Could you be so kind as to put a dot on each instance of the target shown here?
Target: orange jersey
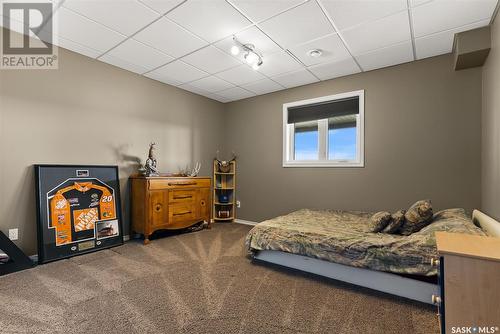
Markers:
(74, 210)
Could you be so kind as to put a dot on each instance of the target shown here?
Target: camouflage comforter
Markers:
(341, 237)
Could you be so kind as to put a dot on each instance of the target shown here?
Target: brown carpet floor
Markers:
(200, 282)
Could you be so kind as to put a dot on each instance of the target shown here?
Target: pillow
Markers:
(379, 221)
(451, 220)
(417, 217)
(397, 220)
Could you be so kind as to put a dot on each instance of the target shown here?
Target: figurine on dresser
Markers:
(151, 166)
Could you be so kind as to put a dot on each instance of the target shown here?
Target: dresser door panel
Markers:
(158, 208)
(204, 203)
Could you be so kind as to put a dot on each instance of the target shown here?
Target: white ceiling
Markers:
(186, 43)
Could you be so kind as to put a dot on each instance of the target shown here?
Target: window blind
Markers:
(330, 109)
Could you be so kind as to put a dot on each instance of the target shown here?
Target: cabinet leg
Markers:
(146, 239)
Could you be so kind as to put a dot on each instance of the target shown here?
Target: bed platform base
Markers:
(376, 280)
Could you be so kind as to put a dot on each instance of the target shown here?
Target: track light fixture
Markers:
(251, 55)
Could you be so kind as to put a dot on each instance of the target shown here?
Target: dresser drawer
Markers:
(182, 212)
(178, 183)
(182, 196)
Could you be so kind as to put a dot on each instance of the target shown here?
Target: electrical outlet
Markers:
(13, 234)
(238, 204)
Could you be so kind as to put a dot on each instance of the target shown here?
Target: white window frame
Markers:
(289, 135)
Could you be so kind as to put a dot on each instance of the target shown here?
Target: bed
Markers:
(337, 244)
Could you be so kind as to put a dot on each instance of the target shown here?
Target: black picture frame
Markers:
(78, 210)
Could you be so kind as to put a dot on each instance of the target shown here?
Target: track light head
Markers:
(235, 50)
(257, 65)
(251, 55)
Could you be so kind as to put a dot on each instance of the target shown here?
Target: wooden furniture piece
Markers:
(169, 203)
(224, 185)
(469, 274)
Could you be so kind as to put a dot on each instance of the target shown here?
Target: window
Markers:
(324, 132)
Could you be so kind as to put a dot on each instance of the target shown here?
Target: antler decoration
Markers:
(195, 170)
(234, 156)
(224, 165)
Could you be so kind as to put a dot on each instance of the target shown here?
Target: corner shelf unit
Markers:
(224, 198)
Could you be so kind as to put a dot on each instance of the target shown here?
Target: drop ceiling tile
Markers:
(261, 10)
(140, 54)
(170, 38)
(278, 63)
(441, 42)
(298, 25)
(211, 60)
(194, 89)
(212, 96)
(335, 69)
(163, 79)
(428, 18)
(81, 30)
(393, 55)
(162, 6)
(123, 64)
(211, 84)
(124, 16)
(211, 20)
(178, 71)
(378, 34)
(235, 93)
(263, 86)
(249, 36)
(415, 3)
(296, 78)
(331, 46)
(216, 97)
(78, 48)
(240, 75)
(349, 13)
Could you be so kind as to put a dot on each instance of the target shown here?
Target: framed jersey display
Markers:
(78, 210)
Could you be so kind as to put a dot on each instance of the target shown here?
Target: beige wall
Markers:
(422, 141)
(422, 137)
(88, 112)
(491, 127)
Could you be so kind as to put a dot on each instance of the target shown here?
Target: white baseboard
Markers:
(126, 237)
(245, 222)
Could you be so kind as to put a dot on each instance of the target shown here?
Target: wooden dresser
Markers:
(169, 203)
(469, 274)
